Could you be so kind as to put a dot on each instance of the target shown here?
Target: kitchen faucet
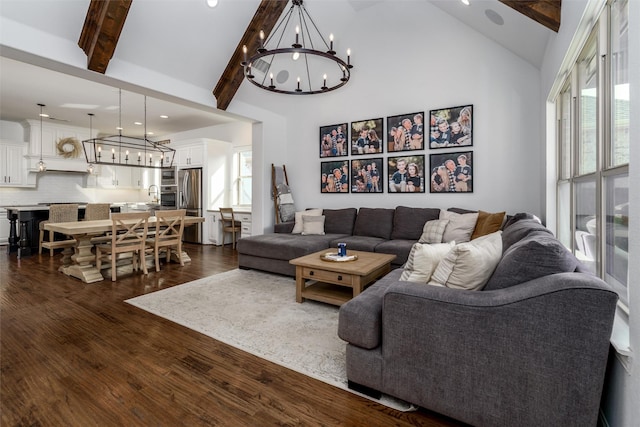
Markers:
(155, 197)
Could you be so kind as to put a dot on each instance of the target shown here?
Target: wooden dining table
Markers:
(80, 263)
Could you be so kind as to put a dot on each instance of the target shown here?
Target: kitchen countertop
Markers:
(240, 211)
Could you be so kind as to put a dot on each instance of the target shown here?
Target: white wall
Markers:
(405, 71)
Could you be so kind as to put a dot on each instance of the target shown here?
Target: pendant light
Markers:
(41, 166)
(90, 166)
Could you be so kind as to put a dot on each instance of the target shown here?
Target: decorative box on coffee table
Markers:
(336, 282)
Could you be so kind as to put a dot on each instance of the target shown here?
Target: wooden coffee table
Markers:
(337, 282)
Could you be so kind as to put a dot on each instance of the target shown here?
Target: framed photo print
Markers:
(451, 172)
(366, 175)
(334, 177)
(405, 132)
(451, 127)
(406, 174)
(366, 137)
(333, 140)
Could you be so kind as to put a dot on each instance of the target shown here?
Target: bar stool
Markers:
(57, 213)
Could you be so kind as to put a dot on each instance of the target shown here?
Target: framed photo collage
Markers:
(354, 161)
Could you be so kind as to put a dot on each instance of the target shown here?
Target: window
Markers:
(243, 177)
(592, 191)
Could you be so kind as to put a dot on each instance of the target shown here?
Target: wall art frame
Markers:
(333, 140)
(366, 137)
(406, 174)
(334, 177)
(367, 175)
(451, 127)
(405, 132)
(451, 172)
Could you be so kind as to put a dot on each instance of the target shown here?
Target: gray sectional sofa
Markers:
(530, 349)
(392, 231)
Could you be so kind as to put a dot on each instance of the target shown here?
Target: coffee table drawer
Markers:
(327, 276)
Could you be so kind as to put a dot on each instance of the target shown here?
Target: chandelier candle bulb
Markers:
(261, 49)
(126, 156)
(113, 154)
(297, 44)
(244, 52)
(349, 58)
(271, 77)
(138, 157)
(298, 89)
(331, 51)
(324, 85)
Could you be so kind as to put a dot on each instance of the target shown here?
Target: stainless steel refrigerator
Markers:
(190, 198)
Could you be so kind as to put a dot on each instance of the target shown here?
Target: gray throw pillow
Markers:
(408, 222)
(534, 256)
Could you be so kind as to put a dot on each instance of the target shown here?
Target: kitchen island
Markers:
(24, 223)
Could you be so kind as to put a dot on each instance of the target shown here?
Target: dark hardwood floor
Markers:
(74, 354)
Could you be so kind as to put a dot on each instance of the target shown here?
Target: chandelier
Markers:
(310, 59)
(122, 150)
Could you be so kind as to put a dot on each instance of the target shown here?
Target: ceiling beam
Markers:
(264, 19)
(545, 12)
(101, 31)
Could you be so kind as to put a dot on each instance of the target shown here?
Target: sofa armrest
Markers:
(284, 227)
(360, 318)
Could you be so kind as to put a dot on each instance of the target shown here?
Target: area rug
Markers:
(256, 312)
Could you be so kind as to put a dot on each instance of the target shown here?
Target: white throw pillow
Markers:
(423, 260)
(312, 224)
(433, 231)
(460, 226)
(470, 265)
(297, 228)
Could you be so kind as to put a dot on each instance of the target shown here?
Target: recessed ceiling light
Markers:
(164, 116)
(149, 133)
(119, 128)
(137, 123)
(212, 3)
(465, 2)
(43, 115)
(81, 106)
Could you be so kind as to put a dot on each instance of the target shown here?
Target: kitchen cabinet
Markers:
(12, 164)
(54, 155)
(189, 156)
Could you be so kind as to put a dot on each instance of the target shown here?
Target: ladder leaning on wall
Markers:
(278, 178)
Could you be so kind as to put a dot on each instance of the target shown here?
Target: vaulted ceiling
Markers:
(198, 46)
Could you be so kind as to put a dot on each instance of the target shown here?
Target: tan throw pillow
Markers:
(423, 260)
(460, 226)
(470, 265)
(433, 231)
(487, 223)
(297, 228)
(312, 224)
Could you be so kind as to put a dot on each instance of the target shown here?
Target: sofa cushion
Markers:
(536, 255)
(423, 260)
(339, 221)
(469, 265)
(519, 216)
(460, 226)
(312, 225)
(521, 229)
(433, 231)
(374, 222)
(297, 228)
(399, 247)
(358, 243)
(283, 246)
(487, 223)
(461, 210)
(408, 222)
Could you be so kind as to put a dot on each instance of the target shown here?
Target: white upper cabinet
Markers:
(12, 164)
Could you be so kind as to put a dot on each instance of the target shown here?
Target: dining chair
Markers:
(128, 235)
(95, 211)
(168, 233)
(229, 224)
(65, 212)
